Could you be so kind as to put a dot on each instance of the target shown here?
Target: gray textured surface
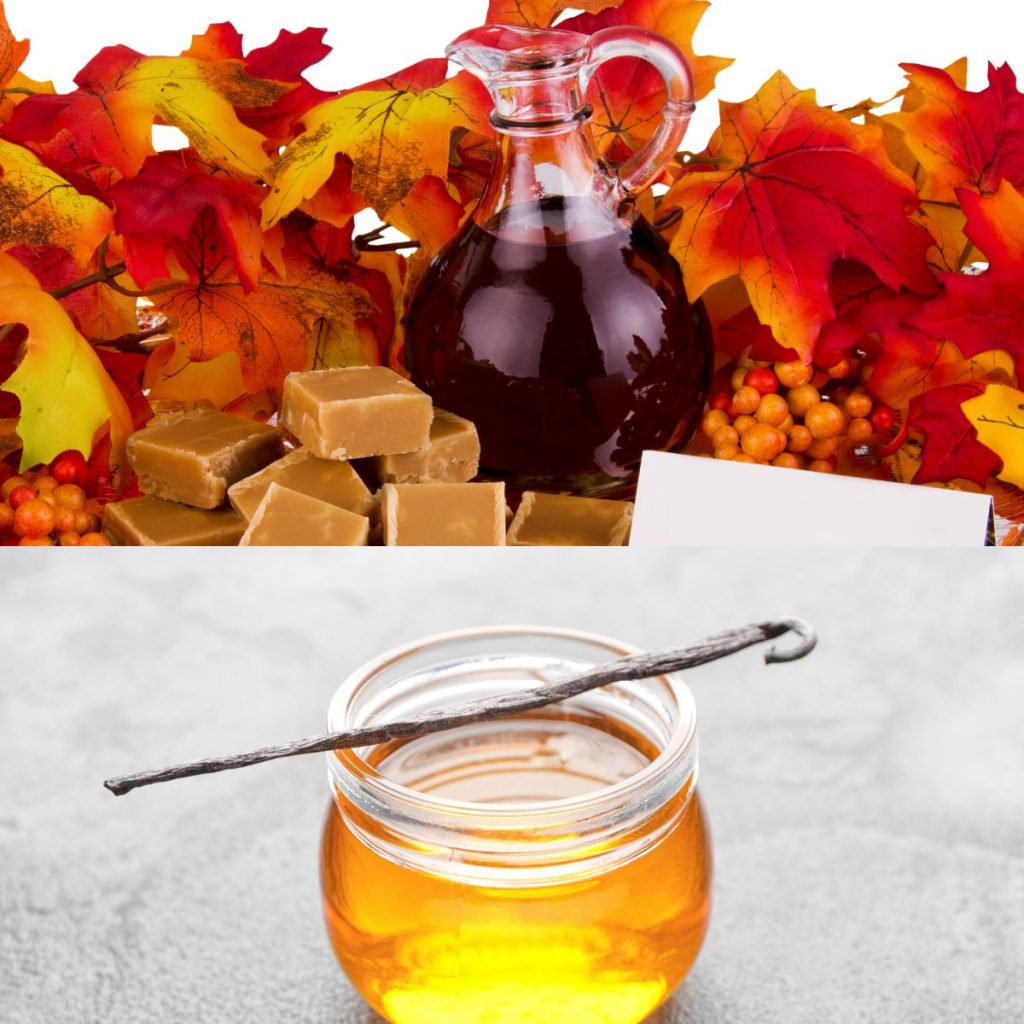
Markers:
(867, 805)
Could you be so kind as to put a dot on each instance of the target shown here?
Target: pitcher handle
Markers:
(645, 166)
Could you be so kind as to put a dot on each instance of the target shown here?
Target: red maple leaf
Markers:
(796, 188)
(952, 450)
(160, 205)
(982, 312)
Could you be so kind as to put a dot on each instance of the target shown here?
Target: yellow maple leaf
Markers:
(66, 395)
(394, 137)
(199, 98)
(122, 94)
(998, 417)
(38, 207)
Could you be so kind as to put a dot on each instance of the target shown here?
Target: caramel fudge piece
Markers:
(559, 520)
(356, 412)
(451, 457)
(153, 521)
(194, 458)
(438, 515)
(287, 518)
(337, 483)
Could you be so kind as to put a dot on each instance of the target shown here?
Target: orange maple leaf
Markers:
(428, 215)
(786, 188)
(12, 51)
(274, 328)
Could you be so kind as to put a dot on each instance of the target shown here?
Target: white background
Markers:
(846, 50)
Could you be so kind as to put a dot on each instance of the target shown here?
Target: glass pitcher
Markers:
(556, 320)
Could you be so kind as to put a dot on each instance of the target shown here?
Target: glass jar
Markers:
(551, 868)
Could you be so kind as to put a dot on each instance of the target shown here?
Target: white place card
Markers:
(686, 501)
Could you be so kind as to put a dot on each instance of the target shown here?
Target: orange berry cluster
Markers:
(45, 507)
(777, 416)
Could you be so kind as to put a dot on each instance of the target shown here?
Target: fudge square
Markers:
(337, 483)
(146, 522)
(562, 520)
(452, 457)
(434, 515)
(287, 518)
(193, 458)
(356, 412)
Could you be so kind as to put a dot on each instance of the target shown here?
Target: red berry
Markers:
(763, 379)
(70, 468)
(20, 495)
(722, 400)
(883, 419)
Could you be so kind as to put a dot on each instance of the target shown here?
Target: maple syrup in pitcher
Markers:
(556, 320)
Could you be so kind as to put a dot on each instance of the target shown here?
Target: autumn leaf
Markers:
(221, 41)
(393, 273)
(470, 164)
(172, 376)
(285, 60)
(272, 329)
(628, 94)
(905, 360)
(13, 271)
(12, 52)
(961, 140)
(39, 207)
(428, 215)
(66, 396)
(161, 204)
(998, 417)
(393, 136)
(122, 93)
(99, 313)
(336, 202)
(790, 188)
(952, 450)
(986, 311)
(539, 13)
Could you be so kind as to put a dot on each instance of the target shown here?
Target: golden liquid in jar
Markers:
(604, 949)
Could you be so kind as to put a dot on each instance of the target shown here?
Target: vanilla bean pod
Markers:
(637, 667)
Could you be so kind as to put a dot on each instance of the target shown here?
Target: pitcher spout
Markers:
(535, 76)
(496, 49)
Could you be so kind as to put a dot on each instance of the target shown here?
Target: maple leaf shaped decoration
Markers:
(785, 189)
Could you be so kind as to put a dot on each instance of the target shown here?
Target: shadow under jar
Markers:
(556, 319)
(552, 868)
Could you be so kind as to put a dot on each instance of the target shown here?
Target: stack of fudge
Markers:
(209, 478)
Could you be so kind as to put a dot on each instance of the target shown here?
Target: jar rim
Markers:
(676, 758)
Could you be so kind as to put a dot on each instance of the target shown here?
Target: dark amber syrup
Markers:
(568, 339)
